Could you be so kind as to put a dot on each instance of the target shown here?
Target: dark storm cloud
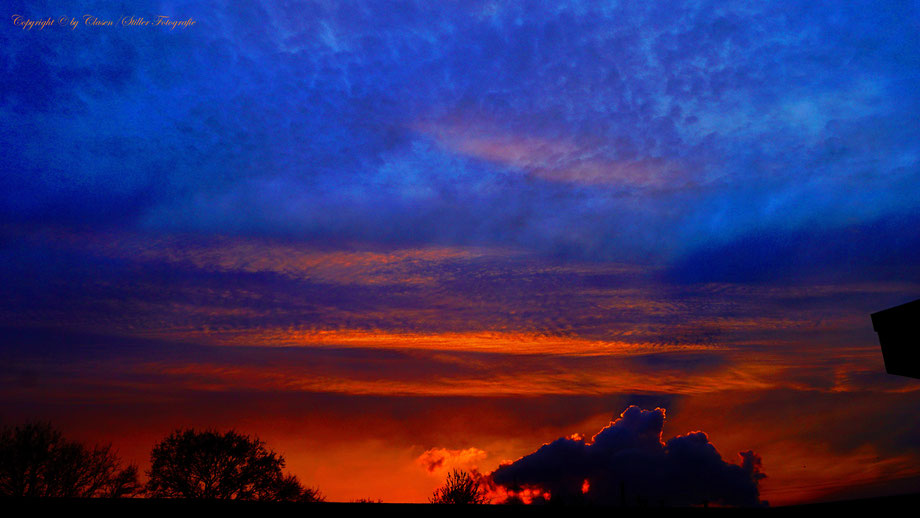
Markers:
(879, 250)
(629, 455)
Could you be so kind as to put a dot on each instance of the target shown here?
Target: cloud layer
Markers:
(571, 129)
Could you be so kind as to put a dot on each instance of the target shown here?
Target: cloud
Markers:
(555, 160)
(627, 460)
(440, 459)
(641, 131)
(878, 250)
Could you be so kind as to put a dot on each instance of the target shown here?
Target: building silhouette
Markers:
(898, 331)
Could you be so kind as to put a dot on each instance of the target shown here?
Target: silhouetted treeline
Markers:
(229, 466)
(36, 461)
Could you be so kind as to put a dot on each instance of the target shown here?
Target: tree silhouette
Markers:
(460, 488)
(36, 461)
(214, 466)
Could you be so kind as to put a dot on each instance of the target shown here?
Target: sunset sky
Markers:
(393, 238)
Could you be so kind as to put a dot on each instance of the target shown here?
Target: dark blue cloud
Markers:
(626, 462)
(879, 250)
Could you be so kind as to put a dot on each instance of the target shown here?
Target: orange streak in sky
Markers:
(483, 342)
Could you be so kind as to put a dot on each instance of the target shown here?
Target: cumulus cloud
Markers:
(627, 461)
(438, 459)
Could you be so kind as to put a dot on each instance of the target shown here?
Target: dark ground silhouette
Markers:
(226, 508)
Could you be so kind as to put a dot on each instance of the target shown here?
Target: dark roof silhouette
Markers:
(898, 331)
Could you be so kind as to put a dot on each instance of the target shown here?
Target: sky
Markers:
(394, 238)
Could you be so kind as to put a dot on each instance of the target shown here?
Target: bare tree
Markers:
(460, 488)
(36, 461)
(221, 466)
